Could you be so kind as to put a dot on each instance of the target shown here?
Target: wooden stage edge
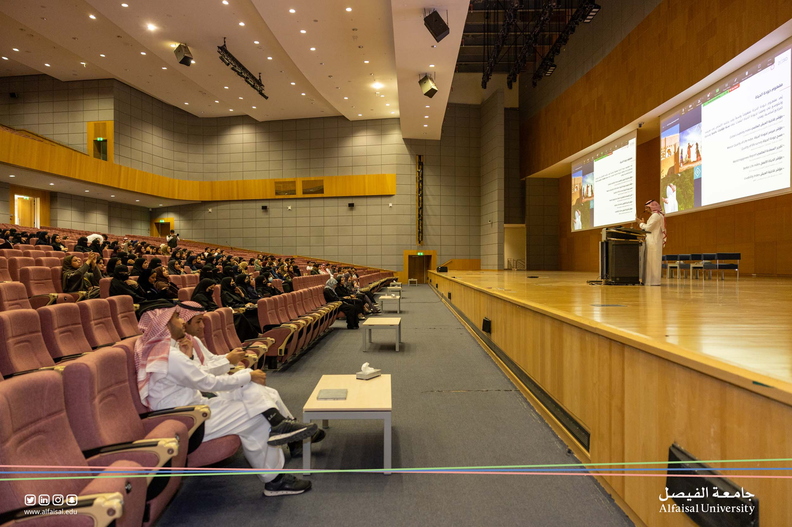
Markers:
(624, 372)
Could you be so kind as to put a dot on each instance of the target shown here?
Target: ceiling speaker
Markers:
(428, 86)
(183, 54)
(436, 26)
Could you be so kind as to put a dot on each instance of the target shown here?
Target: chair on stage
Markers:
(724, 262)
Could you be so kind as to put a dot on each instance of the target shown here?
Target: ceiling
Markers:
(316, 59)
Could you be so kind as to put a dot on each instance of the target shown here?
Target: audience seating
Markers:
(122, 311)
(18, 262)
(10, 253)
(101, 414)
(98, 324)
(104, 287)
(214, 336)
(40, 289)
(48, 261)
(62, 330)
(13, 295)
(34, 254)
(22, 347)
(185, 293)
(4, 275)
(119, 500)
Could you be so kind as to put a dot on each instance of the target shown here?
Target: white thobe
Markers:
(672, 205)
(237, 409)
(653, 249)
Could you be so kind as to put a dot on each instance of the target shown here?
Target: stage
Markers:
(624, 372)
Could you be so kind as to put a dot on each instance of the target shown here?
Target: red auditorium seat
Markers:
(178, 280)
(209, 452)
(122, 310)
(62, 330)
(104, 287)
(10, 253)
(23, 246)
(214, 336)
(13, 295)
(48, 261)
(185, 293)
(56, 254)
(4, 275)
(98, 324)
(101, 413)
(40, 289)
(22, 346)
(115, 498)
(15, 263)
(34, 253)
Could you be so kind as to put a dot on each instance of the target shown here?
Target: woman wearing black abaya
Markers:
(203, 294)
(82, 245)
(121, 284)
(140, 265)
(246, 326)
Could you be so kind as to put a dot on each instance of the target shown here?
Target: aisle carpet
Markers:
(453, 407)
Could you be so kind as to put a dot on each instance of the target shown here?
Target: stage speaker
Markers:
(428, 86)
(264, 207)
(183, 54)
(351, 205)
(436, 26)
(486, 325)
(442, 269)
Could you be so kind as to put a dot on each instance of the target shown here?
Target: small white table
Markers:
(365, 400)
(380, 323)
(390, 298)
(412, 281)
(394, 289)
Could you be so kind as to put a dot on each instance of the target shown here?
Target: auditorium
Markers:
(452, 263)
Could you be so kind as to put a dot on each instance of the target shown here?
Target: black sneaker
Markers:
(286, 485)
(296, 447)
(290, 430)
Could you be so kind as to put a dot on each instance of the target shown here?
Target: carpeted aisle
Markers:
(453, 407)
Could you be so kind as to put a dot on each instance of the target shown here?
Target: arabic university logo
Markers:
(702, 501)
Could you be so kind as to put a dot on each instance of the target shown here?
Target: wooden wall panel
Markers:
(637, 402)
(629, 82)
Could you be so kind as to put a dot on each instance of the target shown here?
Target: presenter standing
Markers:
(655, 241)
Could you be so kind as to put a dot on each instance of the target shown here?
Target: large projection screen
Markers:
(731, 142)
(603, 185)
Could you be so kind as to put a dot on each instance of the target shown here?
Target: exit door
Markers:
(418, 267)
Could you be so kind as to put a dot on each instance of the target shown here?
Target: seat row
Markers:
(694, 262)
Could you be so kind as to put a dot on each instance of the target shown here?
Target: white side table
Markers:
(380, 323)
(390, 298)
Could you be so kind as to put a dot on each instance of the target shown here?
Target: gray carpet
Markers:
(452, 407)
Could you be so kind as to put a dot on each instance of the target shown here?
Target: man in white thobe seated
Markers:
(192, 313)
(169, 374)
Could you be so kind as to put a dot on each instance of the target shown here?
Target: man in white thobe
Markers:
(653, 245)
(170, 373)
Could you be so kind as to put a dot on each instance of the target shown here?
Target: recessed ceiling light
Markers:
(360, 115)
(242, 24)
(47, 65)
(217, 101)
(345, 98)
(92, 17)
(225, 2)
(393, 112)
(84, 63)
(427, 106)
(15, 49)
(292, 11)
(434, 45)
(365, 62)
(102, 55)
(225, 87)
(112, 195)
(186, 103)
(142, 52)
(292, 83)
(253, 107)
(387, 104)
(426, 125)
(192, 62)
(5, 58)
(382, 96)
(240, 98)
(303, 31)
(377, 85)
(164, 67)
(137, 200)
(426, 117)
(348, 9)
(151, 27)
(11, 175)
(269, 58)
(124, 5)
(86, 190)
(255, 41)
(52, 184)
(174, 45)
(302, 94)
(313, 49)
(230, 109)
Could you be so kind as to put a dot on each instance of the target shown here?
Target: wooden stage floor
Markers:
(745, 323)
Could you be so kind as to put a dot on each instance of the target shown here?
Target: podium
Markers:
(620, 256)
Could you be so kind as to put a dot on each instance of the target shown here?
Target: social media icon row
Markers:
(43, 500)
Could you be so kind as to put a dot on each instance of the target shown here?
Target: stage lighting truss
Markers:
(231, 61)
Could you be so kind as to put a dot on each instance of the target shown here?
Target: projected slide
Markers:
(603, 186)
(732, 141)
